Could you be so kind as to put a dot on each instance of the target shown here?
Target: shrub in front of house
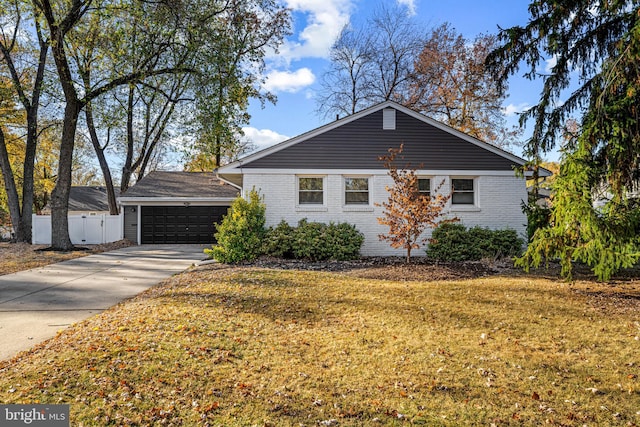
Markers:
(240, 234)
(314, 241)
(308, 241)
(454, 242)
(277, 240)
(342, 241)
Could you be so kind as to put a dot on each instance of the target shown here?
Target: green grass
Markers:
(261, 347)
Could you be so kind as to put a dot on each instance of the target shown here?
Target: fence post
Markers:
(33, 229)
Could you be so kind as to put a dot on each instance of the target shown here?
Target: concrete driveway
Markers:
(36, 304)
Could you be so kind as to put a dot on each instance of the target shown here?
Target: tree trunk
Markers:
(28, 186)
(127, 168)
(60, 195)
(12, 193)
(28, 171)
(102, 160)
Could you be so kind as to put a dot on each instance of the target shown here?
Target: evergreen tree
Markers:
(599, 43)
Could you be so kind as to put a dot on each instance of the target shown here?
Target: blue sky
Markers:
(294, 74)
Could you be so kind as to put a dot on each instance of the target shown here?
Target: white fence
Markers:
(83, 229)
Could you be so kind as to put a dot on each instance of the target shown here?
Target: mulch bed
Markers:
(392, 268)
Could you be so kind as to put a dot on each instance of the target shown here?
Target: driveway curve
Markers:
(35, 304)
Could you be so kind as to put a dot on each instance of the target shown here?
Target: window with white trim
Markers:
(462, 191)
(424, 186)
(356, 191)
(310, 190)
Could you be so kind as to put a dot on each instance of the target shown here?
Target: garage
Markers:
(167, 207)
(180, 224)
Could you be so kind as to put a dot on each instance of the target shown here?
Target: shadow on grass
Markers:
(275, 295)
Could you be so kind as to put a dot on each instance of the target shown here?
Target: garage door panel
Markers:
(180, 224)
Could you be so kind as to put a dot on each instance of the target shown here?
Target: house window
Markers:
(310, 190)
(356, 191)
(424, 186)
(462, 192)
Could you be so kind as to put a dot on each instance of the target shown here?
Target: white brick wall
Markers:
(498, 205)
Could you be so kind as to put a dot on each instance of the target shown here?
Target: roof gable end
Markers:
(357, 142)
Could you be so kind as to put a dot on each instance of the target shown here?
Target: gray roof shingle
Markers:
(181, 184)
(88, 198)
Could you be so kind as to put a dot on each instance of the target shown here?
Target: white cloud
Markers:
(324, 21)
(512, 110)
(287, 81)
(262, 138)
(410, 4)
(551, 62)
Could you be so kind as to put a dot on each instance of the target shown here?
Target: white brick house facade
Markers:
(334, 173)
(493, 207)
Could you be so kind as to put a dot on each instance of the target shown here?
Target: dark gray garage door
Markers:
(180, 224)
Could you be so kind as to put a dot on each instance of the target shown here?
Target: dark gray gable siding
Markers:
(358, 144)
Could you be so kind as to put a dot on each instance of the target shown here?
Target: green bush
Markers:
(343, 241)
(454, 242)
(307, 242)
(314, 241)
(240, 234)
(278, 241)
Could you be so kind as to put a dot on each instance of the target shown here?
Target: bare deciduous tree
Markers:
(372, 63)
(440, 74)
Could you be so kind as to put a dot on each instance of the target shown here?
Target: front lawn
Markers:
(246, 346)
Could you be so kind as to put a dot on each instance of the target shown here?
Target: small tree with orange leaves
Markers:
(407, 212)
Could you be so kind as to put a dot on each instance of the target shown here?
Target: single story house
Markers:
(175, 207)
(333, 173)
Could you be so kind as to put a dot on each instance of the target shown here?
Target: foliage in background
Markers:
(24, 52)
(230, 69)
(127, 66)
(371, 63)
(454, 242)
(450, 83)
(407, 212)
(14, 142)
(436, 72)
(239, 236)
(599, 44)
